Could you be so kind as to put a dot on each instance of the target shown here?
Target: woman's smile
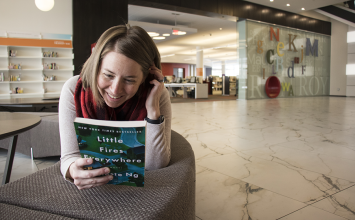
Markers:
(119, 79)
(113, 97)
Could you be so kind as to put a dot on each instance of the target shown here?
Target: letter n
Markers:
(313, 49)
(272, 32)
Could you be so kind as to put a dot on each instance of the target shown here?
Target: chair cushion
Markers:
(169, 193)
(15, 212)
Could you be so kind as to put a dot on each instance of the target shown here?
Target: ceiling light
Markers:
(44, 5)
(220, 29)
(288, 4)
(303, 9)
(159, 38)
(170, 55)
(166, 35)
(271, 0)
(153, 34)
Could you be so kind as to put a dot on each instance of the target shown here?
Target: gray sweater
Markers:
(158, 136)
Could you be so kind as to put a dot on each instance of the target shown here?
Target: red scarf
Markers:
(131, 110)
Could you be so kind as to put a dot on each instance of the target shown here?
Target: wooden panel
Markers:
(190, 4)
(209, 5)
(226, 7)
(347, 15)
(90, 20)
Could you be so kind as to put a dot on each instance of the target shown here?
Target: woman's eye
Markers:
(108, 75)
(130, 81)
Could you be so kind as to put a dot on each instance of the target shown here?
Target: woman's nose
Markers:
(116, 86)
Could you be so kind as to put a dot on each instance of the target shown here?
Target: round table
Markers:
(13, 124)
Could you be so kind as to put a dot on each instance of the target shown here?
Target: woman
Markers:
(120, 81)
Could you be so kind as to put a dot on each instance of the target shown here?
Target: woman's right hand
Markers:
(84, 179)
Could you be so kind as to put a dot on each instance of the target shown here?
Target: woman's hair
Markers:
(133, 42)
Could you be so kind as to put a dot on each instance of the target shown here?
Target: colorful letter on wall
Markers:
(293, 69)
(263, 73)
(291, 91)
(280, 45)
(268, 56)
(297, 60)
(279, 62)
(273, 72)
(303, 69)
(272, 32)
(290, 42)
(260, 44)
(285, 86)
(313, 49)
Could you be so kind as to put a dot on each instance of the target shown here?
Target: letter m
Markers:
(272, 32)
(313, 49)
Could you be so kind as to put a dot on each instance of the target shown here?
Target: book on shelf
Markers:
(118, 145)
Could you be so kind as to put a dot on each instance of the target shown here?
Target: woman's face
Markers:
(119, 79)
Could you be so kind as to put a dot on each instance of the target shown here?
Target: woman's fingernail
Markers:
(107, 170)
(88, 160)
(110, 177)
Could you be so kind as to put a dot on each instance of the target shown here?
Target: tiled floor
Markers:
(264, 159)
(23, 165)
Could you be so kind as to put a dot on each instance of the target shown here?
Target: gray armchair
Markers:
(169, 193)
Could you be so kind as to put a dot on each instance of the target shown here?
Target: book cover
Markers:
(119, 145)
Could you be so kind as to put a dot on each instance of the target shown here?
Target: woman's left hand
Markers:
(152, 103)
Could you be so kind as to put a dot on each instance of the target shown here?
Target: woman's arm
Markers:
(159, 137)
(71, 161)
(69, 144)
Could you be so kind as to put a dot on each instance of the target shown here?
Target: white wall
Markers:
(24, 16)
(339, 58)
(350, 84)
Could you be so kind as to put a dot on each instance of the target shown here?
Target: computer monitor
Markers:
(193, 79)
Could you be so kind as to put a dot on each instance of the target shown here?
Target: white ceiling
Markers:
(208, 34)
(296, 5)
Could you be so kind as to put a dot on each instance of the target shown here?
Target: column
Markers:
(199, 63)
(223, 63)
(96, 16)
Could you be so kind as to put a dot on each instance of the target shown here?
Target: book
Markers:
(118, 145)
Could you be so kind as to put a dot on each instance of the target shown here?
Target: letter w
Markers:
(285, 86)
